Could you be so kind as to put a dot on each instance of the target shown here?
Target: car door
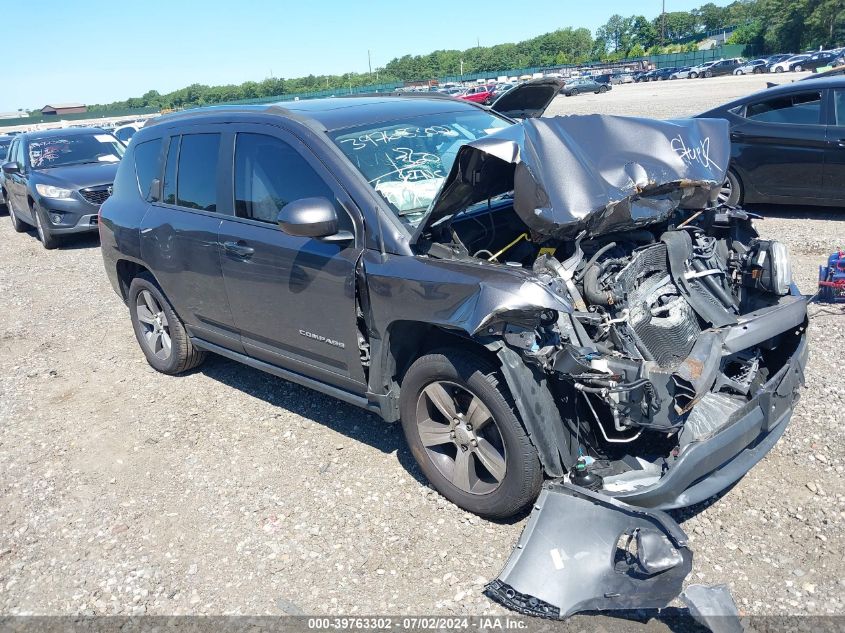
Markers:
(293, 298)
(834, 162)
(180, 229)
(778, 145)
(16, 183)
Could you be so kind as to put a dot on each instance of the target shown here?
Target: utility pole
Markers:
(462, 70)
(663, 25)
(369, 62)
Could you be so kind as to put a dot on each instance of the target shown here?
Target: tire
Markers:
(798, 68)
(758, 71)
(48, 240)
(692, 75)
(158, 327)
(469, 387)
(603, 89)
(573, 92)
(18, 225)
(708, 74)
(738, 72)
(778, 69)
(731, 191)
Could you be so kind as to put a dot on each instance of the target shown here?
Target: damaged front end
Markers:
(670, 364)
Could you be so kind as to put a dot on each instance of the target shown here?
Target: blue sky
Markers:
(96, 51)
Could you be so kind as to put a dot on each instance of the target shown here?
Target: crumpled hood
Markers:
(596, 172)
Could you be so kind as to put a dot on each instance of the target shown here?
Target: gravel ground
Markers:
(228, 491)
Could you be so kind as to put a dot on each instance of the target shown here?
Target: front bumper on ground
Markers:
(708, 466)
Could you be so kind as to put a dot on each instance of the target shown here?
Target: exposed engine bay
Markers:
(654, 344)
(641, 357)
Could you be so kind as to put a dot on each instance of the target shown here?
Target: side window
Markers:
(269, 173)
(13, 148)
(799, 109)
(839, 106)
(196, 186)
(146, 165)
(169, 185)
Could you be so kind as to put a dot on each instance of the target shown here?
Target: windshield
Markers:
(57, 151)
(406, 161)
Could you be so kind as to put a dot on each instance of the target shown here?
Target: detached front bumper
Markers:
(707, 466)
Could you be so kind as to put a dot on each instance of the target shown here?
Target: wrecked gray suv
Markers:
(553, 300)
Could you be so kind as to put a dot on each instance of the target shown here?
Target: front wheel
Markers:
(603, 89)
(798, 68)
(738, 72)
(461, 426)
(48, 240)
(573, 93)
(693, 75)
(778, 69)
(708, 74)
(159, 331)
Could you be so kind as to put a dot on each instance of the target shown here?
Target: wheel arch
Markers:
(127, 270)
(550, 433)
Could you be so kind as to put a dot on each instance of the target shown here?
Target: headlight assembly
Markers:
(49, 191)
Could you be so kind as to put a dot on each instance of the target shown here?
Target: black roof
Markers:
(335, 113)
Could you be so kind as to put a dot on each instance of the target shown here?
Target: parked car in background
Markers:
(662, 74)
(477, 94)
(582, 85)
(755, 66)
(681, 73)
(722, 67)
(56, 180)
(125, 132)
(698, 71)
(775, 59)
(787, 144)
(5, 143)
(814, 61)
(788, 64)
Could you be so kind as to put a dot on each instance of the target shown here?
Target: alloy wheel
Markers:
(154, 324)
(725, 191)
(38, 227)
(461, 437)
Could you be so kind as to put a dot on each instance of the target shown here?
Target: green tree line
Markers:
(764, 26)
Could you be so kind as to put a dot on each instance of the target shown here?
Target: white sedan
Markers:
(786, 64)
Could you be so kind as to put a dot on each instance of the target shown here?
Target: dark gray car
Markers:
(552, 299)
(56, 180)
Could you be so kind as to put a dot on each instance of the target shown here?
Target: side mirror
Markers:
(12, 167)
(154, 194)
(311, 217)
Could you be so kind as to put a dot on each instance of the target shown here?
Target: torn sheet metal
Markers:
(713, 607)
(583, 551)
(596, 172)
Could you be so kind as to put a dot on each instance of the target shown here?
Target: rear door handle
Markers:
(240, 249)
(840, 142)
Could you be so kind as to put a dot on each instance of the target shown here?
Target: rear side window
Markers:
(147, 165)
(839, 104)
(804, 108)
(269, 173)
(196, 186)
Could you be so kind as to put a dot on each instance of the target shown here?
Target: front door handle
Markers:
(840, 142)
(240, 249)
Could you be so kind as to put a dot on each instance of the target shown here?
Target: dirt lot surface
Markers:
(124, 491)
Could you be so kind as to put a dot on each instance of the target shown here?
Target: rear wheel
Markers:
(461, 426)
(159, 331)
(48, 240)
(693, 75)
(708, 73)
(18, 225)
(573, 92)
(758, 71)
(603, 89)
(778, 69)
(798, 68)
